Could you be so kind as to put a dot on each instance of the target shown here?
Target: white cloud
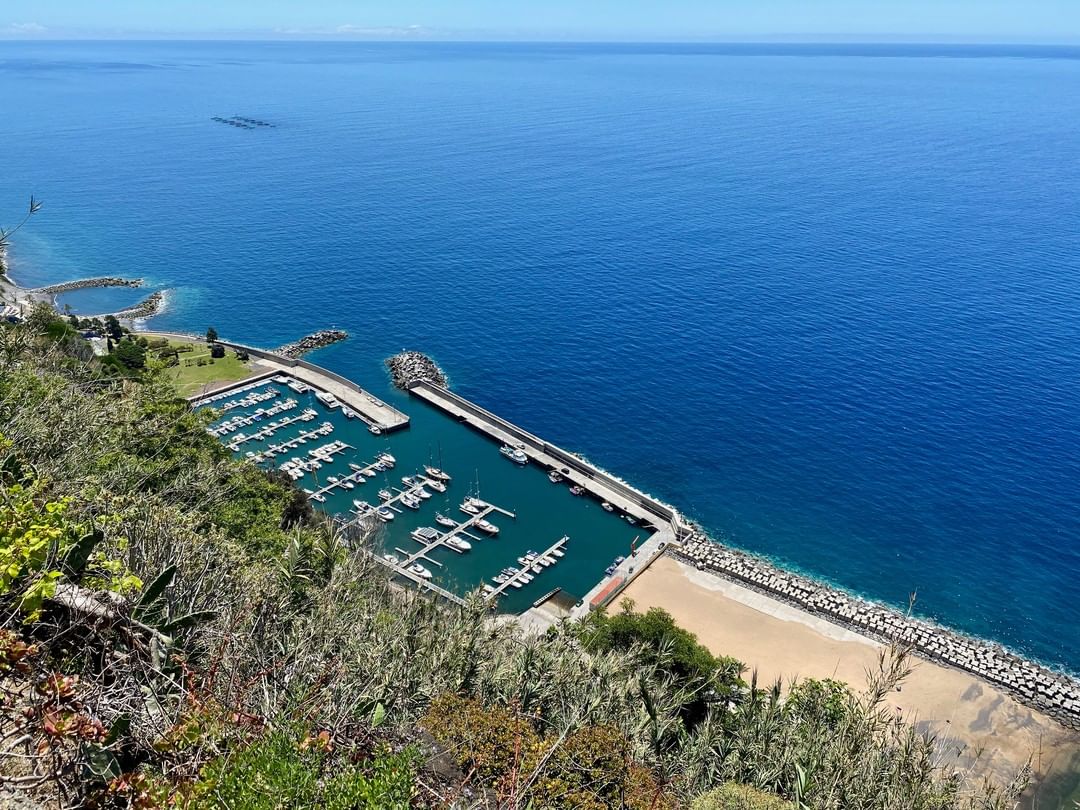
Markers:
(361, 31)
(29, 29)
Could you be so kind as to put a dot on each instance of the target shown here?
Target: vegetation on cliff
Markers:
(180, 630)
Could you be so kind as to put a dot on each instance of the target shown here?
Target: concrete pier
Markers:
(368, 407)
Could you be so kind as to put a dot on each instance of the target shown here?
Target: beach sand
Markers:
(968, 716)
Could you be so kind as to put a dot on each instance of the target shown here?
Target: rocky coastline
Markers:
(85, 283)
(1052, 693)
(408, 367)
(308, 343)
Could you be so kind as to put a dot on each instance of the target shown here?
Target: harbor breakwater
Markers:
(408, 368)
(1052, 693)
(309, 343)
(86, 283)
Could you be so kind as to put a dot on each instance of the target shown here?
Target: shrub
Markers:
(739, 797)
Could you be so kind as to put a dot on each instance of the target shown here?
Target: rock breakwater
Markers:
(1053, 693)
(309, 343)
(84, 283)
(409, 367)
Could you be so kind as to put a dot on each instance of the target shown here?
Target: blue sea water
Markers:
(824, 299)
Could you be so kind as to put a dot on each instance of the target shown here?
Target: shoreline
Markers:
(980, 728)
(1055, 693)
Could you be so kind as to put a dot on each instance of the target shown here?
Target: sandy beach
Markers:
(974, 722)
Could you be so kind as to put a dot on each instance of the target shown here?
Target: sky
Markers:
(1028, 21)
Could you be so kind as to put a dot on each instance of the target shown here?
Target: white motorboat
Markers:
(459, 544)
(410, 501)
(386, 458)
(390, 558)
(355, 467)
(607, 507)
(468, 508)
(386, 494)
(385, 513)
(487, 527)
(327, 399)
(438, 486)
(375, 430)
(514, 454)
(421, 493)
(348, 412)
(443, 520)
(363, 507)
(419, 570)
(369, 473)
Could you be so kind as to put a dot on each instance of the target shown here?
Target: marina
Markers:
(447, 528)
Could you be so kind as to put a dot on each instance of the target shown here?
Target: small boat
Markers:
(380, 467)
(485, 526)
(577, 490)
(319, 498)
(385, 494)
(349, 484)
(630, 519)
(327, 399)
(333, 479)
(390, 558)
(488, 590)
(377, 431)
(385, 513)
(386, 458)
(407, 480)
(308, 492)
(363, 507)
(369, 473)
(436, 473)
(607, 507)
(410, 501)
(620, 560)
(348, 412)
(500, 579)
(355, 467)
(419, 570)
(514, 454)
(281, 379)
(609, 570)
(422, 493)
(443, 520)
(438, 486)
(558, 553)
(554, 477)
(468, 508)
(458, 543)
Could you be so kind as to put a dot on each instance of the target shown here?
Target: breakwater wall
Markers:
(1053, 693)
(407, 368)
(309, 343)
(84, 283)
(659, 511)
(147, 308)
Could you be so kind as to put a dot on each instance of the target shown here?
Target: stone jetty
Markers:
(1053, 693)
(309, 343)
(408, 367)
(84, 283)
(147, 308)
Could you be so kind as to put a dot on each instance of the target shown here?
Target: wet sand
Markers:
(968, 716)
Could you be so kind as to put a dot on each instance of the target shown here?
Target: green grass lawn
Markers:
(189, 379)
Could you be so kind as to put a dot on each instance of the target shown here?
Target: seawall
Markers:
(1052, 693)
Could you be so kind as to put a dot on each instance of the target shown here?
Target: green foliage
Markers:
(33, 538)
(739, 797)
(280, 771)
(657, 641)
(130, 354)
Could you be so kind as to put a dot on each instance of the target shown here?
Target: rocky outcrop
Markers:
(309, 343)
(1053, 693)
(409, 367)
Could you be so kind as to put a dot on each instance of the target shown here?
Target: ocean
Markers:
(825, 300)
